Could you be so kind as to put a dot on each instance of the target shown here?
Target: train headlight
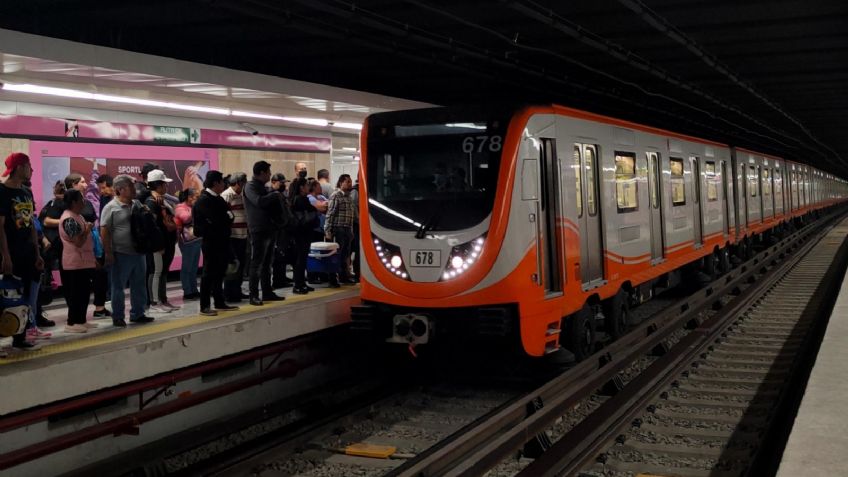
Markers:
(390, 257)
(457, 262)
(462, 257)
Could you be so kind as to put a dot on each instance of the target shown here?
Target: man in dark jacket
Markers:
(212, 220)
(264, 209)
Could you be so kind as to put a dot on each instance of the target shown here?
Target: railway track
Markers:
(689, 391)
(715, 417)
(666, 367)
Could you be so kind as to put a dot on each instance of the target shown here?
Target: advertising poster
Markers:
(53, 161)
(185, 174)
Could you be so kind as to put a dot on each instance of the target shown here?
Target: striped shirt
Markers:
(340, 212)
(236, 202)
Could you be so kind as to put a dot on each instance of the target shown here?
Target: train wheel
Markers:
(724, 260)
(581, 333)
(712, 263)
(617, 314)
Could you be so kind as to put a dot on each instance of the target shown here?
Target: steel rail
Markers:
(577, 448)
(481, 446)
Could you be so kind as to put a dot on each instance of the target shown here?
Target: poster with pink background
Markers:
(52, 161)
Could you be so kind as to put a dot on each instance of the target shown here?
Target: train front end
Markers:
(436, 260)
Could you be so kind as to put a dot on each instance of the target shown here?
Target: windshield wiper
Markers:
(429, 224)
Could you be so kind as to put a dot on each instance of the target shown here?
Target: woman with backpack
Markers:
(164, 213)
(305, 221)
(78, 262)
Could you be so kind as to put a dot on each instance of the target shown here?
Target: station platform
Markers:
(818, 443)
(70, 365)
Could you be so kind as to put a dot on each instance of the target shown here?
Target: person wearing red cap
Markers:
(18, 237)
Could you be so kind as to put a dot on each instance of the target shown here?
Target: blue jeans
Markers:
(188, 270)
(129, 268)
(344, 237)
(32, 300)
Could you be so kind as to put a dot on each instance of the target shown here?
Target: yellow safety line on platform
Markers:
(116, 335)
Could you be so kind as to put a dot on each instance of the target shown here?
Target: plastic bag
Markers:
(98, 243)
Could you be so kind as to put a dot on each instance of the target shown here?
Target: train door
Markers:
(591, 235)
(793, 197)
(772, 192)
(697, 209)
(743, 195)
(725, 206)
(655, 191)
(758, 176)
(548, 235)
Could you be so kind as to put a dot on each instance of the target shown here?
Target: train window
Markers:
(712, 181)
(654, 178)
(591, 191)
(626, 190)
(766, 182)
(678, 188)
(578, 185)
(753, 182)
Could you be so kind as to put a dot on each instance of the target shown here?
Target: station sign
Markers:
(176, 134)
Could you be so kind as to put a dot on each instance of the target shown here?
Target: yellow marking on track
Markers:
(117, 335)
(649, 475)
(363, 449)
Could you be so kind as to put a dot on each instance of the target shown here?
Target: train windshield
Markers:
(437, 176)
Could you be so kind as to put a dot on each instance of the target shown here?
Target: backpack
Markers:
(286, 218)
(304, 220)
(199, 221)
(146, 235)
(14, 308)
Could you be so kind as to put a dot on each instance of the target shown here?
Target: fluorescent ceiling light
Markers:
(159, 104)
(77, 94)
(348, 149)
(356, 126)
(248, 114)
(63, 92)
(310, 121)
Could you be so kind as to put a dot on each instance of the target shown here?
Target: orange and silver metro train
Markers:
(539, 224)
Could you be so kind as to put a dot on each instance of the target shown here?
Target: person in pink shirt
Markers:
(189, 244)
(78, 262)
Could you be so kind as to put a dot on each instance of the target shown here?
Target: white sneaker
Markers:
(89, 324)
(75, 329)
(170, 306)
(160, 309)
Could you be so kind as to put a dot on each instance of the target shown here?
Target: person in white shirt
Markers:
(238, 237)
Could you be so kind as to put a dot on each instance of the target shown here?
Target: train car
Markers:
(539, 223)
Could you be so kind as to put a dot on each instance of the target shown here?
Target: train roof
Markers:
(459, 113)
